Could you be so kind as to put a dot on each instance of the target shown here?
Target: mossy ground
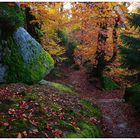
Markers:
(132, 95)
(57, 86)
(40, 111)
(109, 84)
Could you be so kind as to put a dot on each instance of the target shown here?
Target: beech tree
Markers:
(96, 28)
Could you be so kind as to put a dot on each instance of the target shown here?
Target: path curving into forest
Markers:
(119, 119)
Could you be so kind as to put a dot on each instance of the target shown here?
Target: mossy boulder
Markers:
(57, 86)
(109, 84)
(36, 60)
(22, 58)
(25, 60)
(132, 95)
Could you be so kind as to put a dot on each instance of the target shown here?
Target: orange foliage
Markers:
(87, 19)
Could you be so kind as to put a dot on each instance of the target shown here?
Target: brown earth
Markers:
(119, 119)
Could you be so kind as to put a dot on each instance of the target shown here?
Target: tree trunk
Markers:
(100, 54)
(31, 28)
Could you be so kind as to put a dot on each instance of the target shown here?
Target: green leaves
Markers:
(134, 20)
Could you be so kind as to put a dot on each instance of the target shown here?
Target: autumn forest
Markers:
(69, 69)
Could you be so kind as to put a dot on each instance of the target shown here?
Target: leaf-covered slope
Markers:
(40, 111)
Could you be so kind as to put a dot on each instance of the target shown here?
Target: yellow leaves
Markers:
(53, 48)
(85, 52)
(110, 4)
(123, 7)
(51, 11)
(48, 15)
(84, 19)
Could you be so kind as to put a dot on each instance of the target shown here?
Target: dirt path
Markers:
(119, 119)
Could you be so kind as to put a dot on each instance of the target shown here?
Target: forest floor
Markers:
(119, 119)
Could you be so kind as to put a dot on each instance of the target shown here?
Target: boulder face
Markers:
(22, 59)
(34, 56)
(30, 48)
(27, 61)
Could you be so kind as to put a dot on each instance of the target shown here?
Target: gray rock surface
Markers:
(30, 48)
(36, 62)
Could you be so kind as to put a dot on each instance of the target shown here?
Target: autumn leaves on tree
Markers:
(95, 27)
(99, 23)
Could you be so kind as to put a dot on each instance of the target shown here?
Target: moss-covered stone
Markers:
(22, 57)
(57, 86)
(132, 95)
(25, 64)
(109, 84)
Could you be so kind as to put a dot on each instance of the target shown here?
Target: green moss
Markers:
(61, 87)
(65, 124)
(132, 95)
(32, 96)
(109, 84)
(134, 89)
(18, 71)
(57, 86)
(13, 12)
(87, 130)
(55, 106)
(91, 110)
(36, 72)
(19, 125)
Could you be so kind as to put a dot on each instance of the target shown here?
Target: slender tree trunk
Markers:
(100, 54)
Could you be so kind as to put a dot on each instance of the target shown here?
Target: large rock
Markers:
(27, 61)
(22, 59)
(33, 54)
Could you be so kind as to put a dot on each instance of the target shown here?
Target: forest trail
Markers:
(119, 119)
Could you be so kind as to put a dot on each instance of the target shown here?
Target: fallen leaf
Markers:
(93, 120)
(5, 124)
(57, 133)
(19, 135)
(34, 131)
